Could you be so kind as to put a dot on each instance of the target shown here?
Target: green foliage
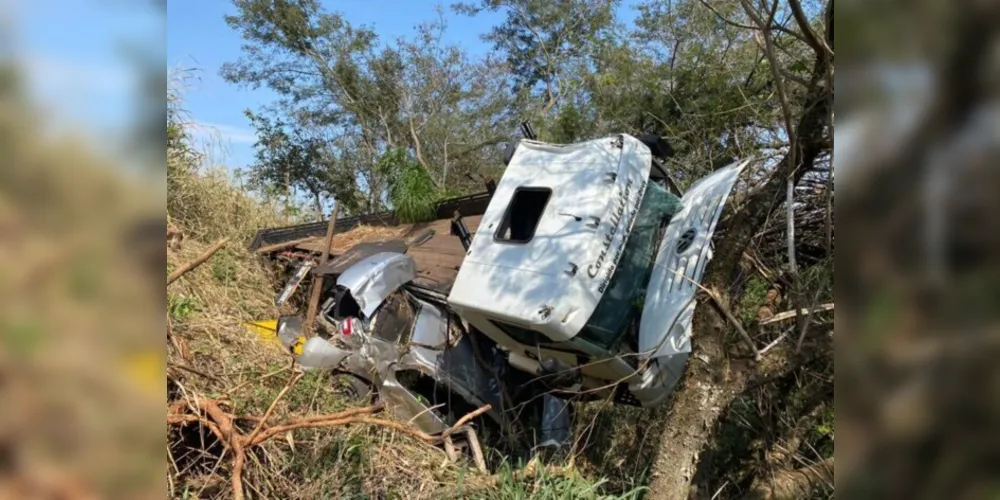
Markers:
(412, 193)
(545, 43)
(569, 125)
(754, 296)
(224, 267)
(347, 99)
(288, 158)
(181, 308)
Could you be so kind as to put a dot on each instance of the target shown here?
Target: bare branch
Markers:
(818, 44)
(185, 268)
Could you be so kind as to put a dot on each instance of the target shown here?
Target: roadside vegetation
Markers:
(400, 124)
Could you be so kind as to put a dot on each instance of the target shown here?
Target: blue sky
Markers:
(198, 37)
(75, 55)
(79, 58)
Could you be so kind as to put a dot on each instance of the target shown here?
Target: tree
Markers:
(708, 389)
(295, 161)
(365, 99)
(546, 41)
(719, 80)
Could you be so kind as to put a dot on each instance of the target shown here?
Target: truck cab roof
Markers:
(552, 235)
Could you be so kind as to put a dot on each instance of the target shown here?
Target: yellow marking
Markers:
(266, 329)
(146, 370)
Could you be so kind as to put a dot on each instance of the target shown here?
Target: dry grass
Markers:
(213, 355)
(366, 234)
(344, 241)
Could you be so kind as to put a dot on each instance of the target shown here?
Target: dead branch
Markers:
(477, 450)
(221, 425)
(818, 44)
(194, 371)
(183, 269)
(270, 409)
(791, 314)
(464, 420)
(732, 319)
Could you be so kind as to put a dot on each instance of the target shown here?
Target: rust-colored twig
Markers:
(184, 268)
(220, 423)
(270, 409)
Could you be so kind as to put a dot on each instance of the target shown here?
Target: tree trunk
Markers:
(706, 390)
(288, 195)
(318, 206)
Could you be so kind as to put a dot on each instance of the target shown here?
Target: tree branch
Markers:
(818, 44)
(185, 268)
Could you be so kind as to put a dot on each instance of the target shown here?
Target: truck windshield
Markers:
(622, 300)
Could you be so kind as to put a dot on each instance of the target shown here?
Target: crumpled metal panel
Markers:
(321, 354)
(375, 277)
(430, 328)
(357, 253)
(668, 308)
(408, 407)
(293, 284)
(660, 380)
(289, 329)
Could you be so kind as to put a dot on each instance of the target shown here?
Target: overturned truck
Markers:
(572, 278)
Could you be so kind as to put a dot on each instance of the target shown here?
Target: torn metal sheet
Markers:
(358, 252)
(290, 329)
(375, 277)
(293, 284)
(321, 354)
(430, 329)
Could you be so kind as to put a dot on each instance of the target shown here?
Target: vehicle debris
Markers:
(574, 281)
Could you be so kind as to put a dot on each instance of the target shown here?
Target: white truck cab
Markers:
(585, 264)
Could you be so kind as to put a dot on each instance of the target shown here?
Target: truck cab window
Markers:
(523, 214)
